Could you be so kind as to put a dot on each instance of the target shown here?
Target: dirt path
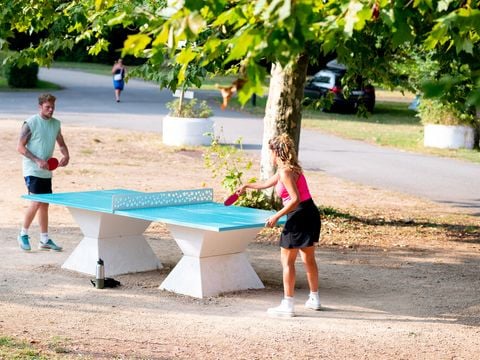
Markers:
(392, 287)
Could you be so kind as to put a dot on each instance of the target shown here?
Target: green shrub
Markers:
(229, 162)
(436, 112)
(189, 109)
(3, 55)
(21, 77)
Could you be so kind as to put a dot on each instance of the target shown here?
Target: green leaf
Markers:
(437, 35)
(77, 27)
(185, 56)
(117, 19)
(135, 44)
(330, 42)
(232, 17)
(162, 38)
(99, 46)
(435, 89)
(418, 3)
(242, 44)
(103, 4)
(194, 4)
(402, 33)
(465, 45)
(256, 77)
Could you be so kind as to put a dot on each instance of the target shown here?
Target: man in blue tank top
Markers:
(36, 143)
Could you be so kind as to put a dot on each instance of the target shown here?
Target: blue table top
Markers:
(206, 215)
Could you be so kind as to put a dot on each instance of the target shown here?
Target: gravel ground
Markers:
(397, 288)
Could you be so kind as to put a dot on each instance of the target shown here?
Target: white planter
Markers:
(186, 131)
(448, 136)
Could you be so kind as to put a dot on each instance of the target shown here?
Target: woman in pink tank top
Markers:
(302, 229)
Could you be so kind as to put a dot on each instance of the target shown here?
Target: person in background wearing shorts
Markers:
(36, 143)
(118, 71)
(302, 229)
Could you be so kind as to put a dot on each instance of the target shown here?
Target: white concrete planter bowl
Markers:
(186, 131)
(448, 136)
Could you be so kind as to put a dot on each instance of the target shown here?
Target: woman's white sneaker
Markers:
(286, 309)
(313, 303)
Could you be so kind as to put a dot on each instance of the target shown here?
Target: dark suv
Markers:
(329, 81)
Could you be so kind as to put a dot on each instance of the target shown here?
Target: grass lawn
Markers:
(41, 86)
(391, 125)
(98, 69)
(14, 349)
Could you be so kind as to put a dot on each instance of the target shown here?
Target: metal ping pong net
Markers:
(160, 199)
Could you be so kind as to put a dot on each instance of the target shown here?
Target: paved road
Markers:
(88, 99)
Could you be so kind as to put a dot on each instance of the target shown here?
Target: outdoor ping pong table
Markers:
(212, 237)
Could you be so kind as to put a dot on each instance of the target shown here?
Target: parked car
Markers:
(329, 81)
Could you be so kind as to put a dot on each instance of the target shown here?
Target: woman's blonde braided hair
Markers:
(284, 148)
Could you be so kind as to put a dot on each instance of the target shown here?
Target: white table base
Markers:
(117, 240)
(212, 262)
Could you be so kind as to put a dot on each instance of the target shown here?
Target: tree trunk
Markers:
(283, 111)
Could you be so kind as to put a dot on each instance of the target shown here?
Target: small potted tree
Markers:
(446, 126)
(188, 120)
(188, 123)
(445, 109)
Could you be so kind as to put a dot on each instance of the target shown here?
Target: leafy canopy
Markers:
(240, 36)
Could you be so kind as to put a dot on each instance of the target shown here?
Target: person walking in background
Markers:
(37, 143)
(302, 229)
(118, 71)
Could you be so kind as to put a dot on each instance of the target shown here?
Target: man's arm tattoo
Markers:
(25, 134)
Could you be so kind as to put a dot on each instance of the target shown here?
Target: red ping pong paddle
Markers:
(231, 199)
(52, 163)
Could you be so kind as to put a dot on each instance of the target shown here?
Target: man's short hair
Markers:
(46, 98)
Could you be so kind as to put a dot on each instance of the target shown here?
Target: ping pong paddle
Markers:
(52, 163)
(231, 199)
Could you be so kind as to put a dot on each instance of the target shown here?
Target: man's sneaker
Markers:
(286, 309)
(49, 245)
(313, 303)
(24, 242)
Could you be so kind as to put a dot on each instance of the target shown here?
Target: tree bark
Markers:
(283, 111)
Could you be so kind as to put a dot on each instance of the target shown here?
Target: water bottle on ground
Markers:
(100, 275)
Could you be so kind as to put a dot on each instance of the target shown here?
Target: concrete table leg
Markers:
(212, 262)
(117, 240)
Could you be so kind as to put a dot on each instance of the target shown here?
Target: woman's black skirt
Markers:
(302, 228)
